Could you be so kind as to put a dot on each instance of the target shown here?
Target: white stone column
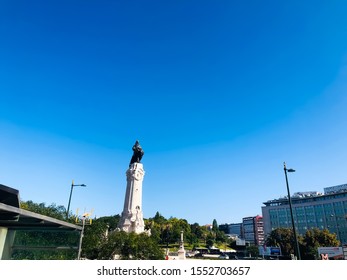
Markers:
(181, 252)
(132, 215)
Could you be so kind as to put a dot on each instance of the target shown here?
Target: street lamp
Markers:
(291, 211)
(68, 206)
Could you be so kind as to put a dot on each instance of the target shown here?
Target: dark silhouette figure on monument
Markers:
(138, 153)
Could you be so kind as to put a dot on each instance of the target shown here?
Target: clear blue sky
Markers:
(219, 93)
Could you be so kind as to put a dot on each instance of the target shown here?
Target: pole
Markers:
(291, 214)
(81, 238)
(68, 206)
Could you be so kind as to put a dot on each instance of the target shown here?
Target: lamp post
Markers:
(84, 217)
(68, 206)
(291, 211)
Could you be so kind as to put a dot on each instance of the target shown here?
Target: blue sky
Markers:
(219, 93)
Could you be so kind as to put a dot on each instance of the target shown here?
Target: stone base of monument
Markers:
(181, 254)
(132, 217)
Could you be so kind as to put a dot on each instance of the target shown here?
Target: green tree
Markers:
(283, 238)
(158, 226)
(210, 239)
(159, 219)
(198, 233)
(155, 229)
(315, 238)
(178, 225)
(221, 237)
(308, 243)
(130, 246)
(34, 244)
(96, 234)
(147, 248)
(52, 210)
(197, 230)
(253, 251)
(215, 226)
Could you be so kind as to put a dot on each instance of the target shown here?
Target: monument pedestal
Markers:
(132, 216)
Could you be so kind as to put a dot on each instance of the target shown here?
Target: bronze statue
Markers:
(138, 153)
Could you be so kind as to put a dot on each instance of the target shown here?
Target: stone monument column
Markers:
(132, 215)
(181, 252)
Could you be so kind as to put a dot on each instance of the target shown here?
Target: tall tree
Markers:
(214, 225)
(158, 218)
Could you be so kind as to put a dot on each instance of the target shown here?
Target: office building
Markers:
(236, 229)
(253, 230)
(310, 210)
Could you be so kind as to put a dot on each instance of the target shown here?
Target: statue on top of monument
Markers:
(138, 153)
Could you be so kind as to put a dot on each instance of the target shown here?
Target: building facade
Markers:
(236, 229)
(310, 210)
(224, 228)
(253, 230)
